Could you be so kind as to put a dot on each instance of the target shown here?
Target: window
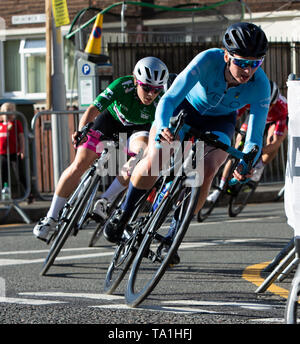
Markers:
(33, 59)
(25, 68)
(12, 66)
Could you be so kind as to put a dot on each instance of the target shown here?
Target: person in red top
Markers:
(12, 145)
(276, 130)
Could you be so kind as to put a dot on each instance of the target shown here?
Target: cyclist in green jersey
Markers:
(128, 106)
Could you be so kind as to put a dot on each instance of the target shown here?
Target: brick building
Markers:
(22, 32)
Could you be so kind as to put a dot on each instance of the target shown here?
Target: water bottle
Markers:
(161, 195)
(5, 193)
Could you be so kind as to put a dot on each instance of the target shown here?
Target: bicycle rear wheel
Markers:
(72, 215)
(240, 197)
(292, 309)
(149, 264)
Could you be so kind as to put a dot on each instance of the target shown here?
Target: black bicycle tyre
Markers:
(111, 283)
(113, 280)
(133, 299)
(292, 308)
(67, 227)
(235, 208)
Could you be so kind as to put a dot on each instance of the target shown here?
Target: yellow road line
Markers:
(12, 225)
(252, 274)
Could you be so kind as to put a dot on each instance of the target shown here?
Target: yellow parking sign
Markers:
(60, 12)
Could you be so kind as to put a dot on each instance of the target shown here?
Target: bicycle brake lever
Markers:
(83, 133)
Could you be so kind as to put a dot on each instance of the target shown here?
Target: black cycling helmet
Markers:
(274, 92)
(245, 39)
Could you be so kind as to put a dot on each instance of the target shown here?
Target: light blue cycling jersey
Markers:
(203, 84)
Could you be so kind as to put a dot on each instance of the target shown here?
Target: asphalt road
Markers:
(215, 283)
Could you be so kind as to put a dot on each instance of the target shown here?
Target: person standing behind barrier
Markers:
(12, 145)
(127, 105)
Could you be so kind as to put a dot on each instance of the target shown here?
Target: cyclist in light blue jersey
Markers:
(210, 89)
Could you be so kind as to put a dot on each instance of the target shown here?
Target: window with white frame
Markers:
(33, 63)
(25, 67)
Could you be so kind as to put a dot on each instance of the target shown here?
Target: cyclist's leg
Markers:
(70, 178)
(143, 179)
(212, 163)
(137, 149)
(136, 143)
(229, 163)
(224, 127)
(86, 154)
(213, 196)
(68, 182)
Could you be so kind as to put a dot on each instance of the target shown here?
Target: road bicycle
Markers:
(283, 265)
(134, 231)
(238, 194)
(149, 258)
(292, 308)
(77, 211)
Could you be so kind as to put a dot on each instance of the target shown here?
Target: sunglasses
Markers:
(243, 63)
(148, 88)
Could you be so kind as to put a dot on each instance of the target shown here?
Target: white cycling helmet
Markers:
(151, 71)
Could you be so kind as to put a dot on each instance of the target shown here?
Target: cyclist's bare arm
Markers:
(89, 116)
(274, 143)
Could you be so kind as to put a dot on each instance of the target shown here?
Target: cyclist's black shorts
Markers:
(111, 128)
(225, 123)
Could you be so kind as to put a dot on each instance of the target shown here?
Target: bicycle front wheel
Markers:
(122, 259)
(150, 263)
(292, 309)
(68, 223)
(127, 248)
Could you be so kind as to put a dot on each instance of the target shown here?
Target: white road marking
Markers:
(182, 310)
(269, 320)
(246, 305)
(184, 245)
(174, 306)
(40, 260)
(80, 295)
(250, 219)
(27, 301)
(47, 250)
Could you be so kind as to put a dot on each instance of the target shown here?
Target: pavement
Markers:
(38, 208)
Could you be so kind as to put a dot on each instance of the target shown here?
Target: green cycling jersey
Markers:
(121, 100)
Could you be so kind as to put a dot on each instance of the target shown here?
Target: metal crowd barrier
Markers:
(14, 171)
(45, 161)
